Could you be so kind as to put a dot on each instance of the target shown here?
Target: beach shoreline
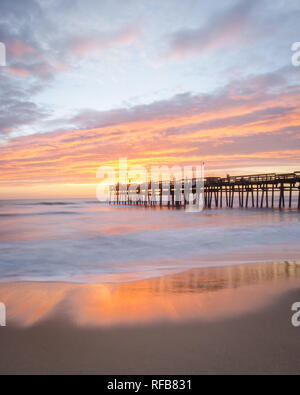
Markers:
(225, 320)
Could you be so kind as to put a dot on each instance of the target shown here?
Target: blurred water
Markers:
(83, 240)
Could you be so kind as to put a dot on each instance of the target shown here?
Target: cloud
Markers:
(39, 47)
(18, 48)
(248, 122)
(20, 11)
(254, 89)
(222, 29)
(25, 55)
(40, 70)
(101, 41)
(17, 107)
(37, 50)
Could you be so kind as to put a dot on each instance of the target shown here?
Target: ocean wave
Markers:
(109, 240)
(48, 204)
(39, 214)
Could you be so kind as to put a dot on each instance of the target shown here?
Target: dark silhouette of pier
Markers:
(257, 191)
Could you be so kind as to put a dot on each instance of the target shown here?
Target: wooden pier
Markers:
(256, 191)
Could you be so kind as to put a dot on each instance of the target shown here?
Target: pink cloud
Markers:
(19, 71)
(104, 41)
(221, 29)
(18, 48)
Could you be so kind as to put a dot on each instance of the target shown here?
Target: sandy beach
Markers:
(231, 320)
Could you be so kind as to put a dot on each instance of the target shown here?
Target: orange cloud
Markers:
(227, 130)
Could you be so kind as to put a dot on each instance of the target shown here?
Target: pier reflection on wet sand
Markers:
(201, 294)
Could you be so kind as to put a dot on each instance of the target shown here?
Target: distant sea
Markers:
(83, 240)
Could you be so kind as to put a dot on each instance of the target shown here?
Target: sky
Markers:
(167, 82)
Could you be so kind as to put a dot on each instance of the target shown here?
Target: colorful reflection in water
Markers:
(206, 293)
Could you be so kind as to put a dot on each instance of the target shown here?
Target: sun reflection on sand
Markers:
(206, 293)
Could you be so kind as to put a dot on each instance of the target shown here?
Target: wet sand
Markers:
(231, 320)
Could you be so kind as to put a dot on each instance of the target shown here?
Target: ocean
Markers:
(82, 240)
